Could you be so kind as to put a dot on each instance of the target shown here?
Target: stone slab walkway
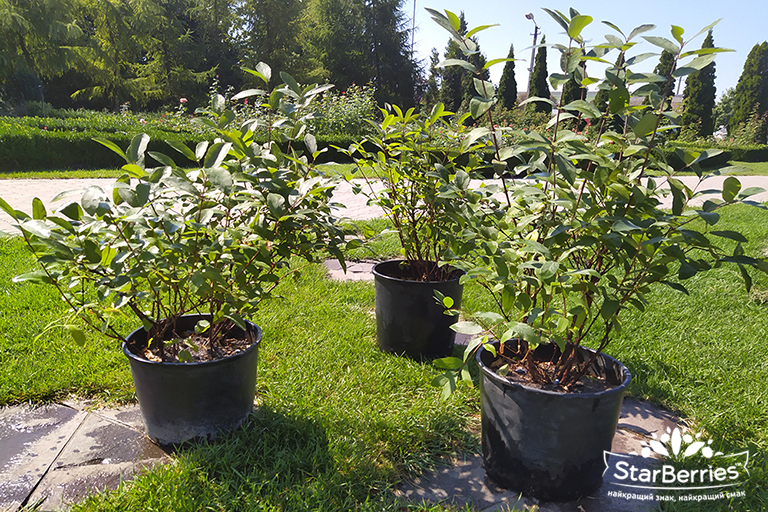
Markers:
(19, 194)
(57, 454)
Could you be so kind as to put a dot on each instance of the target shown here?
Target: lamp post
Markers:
(529, 16)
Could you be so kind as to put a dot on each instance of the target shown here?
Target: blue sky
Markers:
(744, 24)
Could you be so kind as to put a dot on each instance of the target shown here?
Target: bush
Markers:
(29, 143)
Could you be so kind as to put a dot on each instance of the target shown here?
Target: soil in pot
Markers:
(546, 443)
(181, 344)
(409, 320)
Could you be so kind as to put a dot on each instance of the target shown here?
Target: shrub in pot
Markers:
(191, 254)
(566, 250)
(405, 167)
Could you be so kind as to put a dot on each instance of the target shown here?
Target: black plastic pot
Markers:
(409, 321)
(545, 444)
(184, 401)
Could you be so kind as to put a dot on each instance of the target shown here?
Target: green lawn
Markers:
(341, 423)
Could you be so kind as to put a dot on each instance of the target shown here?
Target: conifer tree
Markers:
(539, 86)
(507, 92)
(699, 97)
(451, 88)
(751, 94)
(665, 68)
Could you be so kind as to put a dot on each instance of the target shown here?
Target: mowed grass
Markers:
(340, 423)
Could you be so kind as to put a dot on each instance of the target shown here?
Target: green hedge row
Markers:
(28, 144)
(745, 153)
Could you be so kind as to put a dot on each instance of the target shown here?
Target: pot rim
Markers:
(565, 395)
(134, 357)
(378, 273)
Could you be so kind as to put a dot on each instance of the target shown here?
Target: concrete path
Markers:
(19, 194)
(57, 454)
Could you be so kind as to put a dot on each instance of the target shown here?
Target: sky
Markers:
(744, 23)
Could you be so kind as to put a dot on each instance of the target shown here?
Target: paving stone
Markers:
(30, 441)
(65, 486)
(465, 482)
(98, 456)
(356, 270)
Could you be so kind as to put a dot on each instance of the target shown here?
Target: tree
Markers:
(452, 86)
(721, 115)
(432, 88)
(751, 94)
(360, 42)
(268, 31)
(699, 97)
(539, 87)
(507, 92)
(35, 40)
(665, 68)
(394, 72)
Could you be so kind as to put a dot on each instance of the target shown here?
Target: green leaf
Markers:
(38, 209)
(609, 308)
(185, 356)
(221, 179)
(448, 363)
(183, 149)
(457, 62)
(163, 159)
(200, 150)
(686, 271)
(640, 30)
(624, 225)
(77, 334)
(73, 211)
(522, 331)
(646, 125)
(111, 145)
(479, 106)
(710, 218)
(216, 154)
(548, 271)
(276, 204)
(469, 328)
(664, 43)
(731, 235)
(37, 277)
(731, 188)
(677, 33)
(577, 25)
(478, 29)
(695, 65)
(135, 153)
(485, 89)
(201, 326)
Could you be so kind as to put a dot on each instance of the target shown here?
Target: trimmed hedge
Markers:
(28, 144)
(746, 153)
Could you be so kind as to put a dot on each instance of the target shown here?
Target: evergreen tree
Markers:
(572, 91)
(751, 94)
(432, 89)
(539, 86)
(451, 87)
(394, 73)
(665, 68)
(507, 92)
(699, 97)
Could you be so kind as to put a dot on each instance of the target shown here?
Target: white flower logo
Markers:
(673, 442)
